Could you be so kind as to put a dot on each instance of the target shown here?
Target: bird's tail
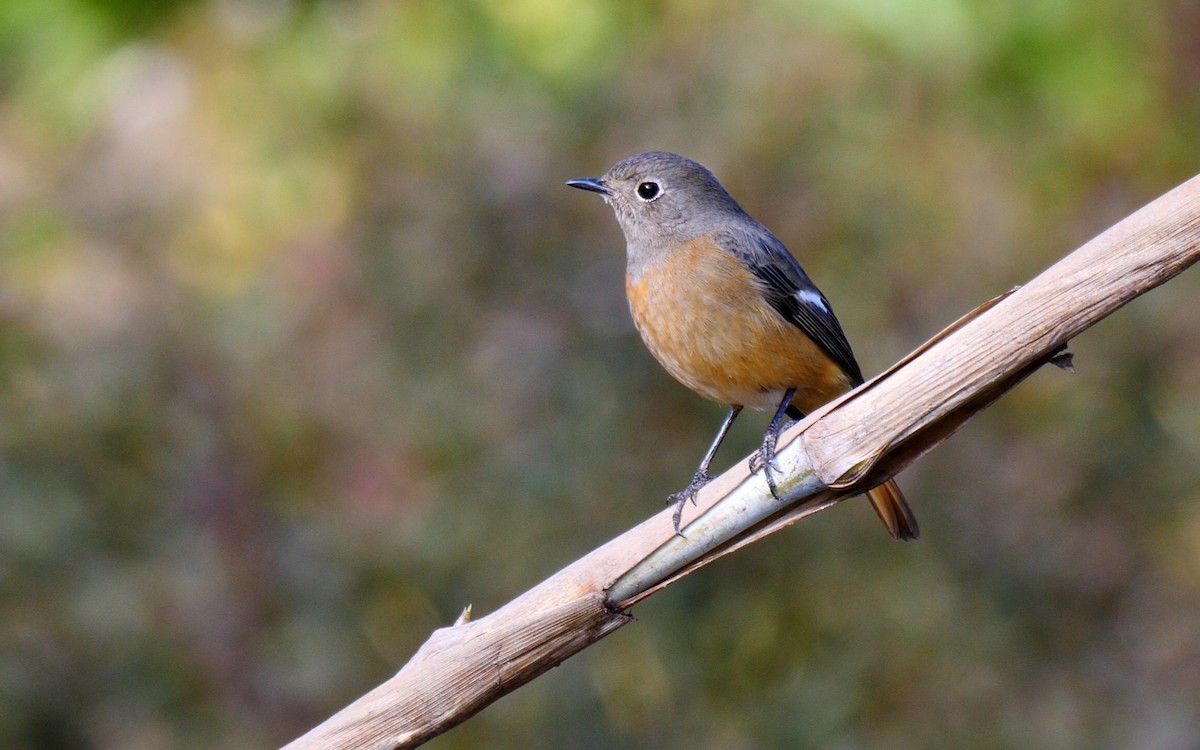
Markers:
(893, 510)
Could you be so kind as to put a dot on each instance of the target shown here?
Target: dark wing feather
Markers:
(793, 295)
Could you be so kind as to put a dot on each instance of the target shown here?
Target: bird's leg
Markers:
(702, 476)
(766, 454)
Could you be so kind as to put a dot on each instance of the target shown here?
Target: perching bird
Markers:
(727, 310)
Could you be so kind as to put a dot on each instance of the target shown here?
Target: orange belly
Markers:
(703, 316)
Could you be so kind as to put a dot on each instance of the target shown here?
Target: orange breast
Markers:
(703, 315)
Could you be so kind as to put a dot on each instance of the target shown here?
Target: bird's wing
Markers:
(791, 293)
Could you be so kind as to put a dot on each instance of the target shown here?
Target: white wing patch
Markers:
(809, 297)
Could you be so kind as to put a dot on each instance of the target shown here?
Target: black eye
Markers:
(648, 190)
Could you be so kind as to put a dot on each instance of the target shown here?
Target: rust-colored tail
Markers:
(893, 510)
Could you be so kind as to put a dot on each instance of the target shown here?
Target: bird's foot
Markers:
(764, 458)
(681, 498)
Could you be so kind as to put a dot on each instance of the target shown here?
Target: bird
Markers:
(728, 311)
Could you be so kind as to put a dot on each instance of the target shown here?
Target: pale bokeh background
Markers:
(304, 346)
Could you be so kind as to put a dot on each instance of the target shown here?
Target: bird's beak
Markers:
(587, 183)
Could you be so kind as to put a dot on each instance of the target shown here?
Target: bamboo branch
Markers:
(840, 450)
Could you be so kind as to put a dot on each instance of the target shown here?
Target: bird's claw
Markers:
(681, 498)
(764, 458)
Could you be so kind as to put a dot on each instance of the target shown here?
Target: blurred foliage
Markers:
(304, 346)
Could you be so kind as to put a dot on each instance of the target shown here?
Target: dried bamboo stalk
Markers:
(841, 450)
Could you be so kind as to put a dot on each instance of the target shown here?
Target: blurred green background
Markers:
(304, 346)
